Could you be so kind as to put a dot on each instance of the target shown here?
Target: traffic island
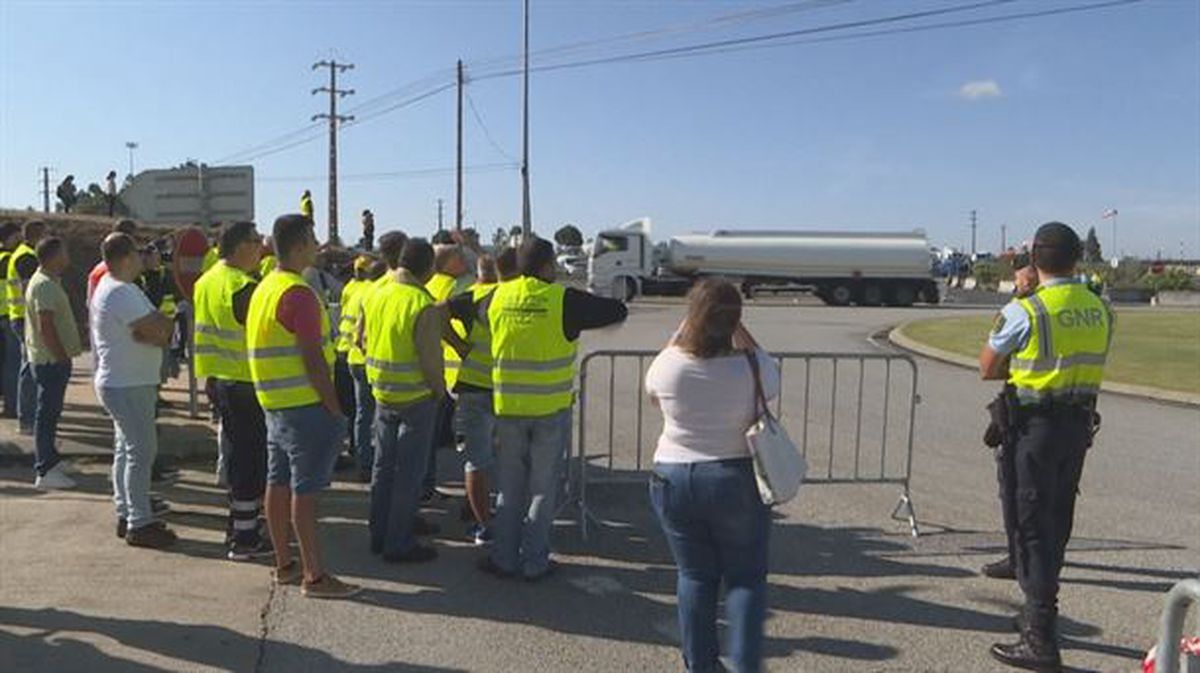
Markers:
(1155, 354)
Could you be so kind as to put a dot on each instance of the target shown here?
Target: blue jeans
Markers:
(51, 380)
(717, 528)
(26, 388)
(12, 368)
(404, 435)
(135, 443)
(364, 417)
(530, 466)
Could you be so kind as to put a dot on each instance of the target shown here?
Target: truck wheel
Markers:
(903, 295)
(872, 295)
(838, 295)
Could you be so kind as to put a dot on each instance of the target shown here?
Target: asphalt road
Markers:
(850, 589)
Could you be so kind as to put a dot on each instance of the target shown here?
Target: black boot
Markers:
(1037, 649)
(1000, 570)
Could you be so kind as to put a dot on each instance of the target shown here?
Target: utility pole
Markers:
(458, 212)
(131, 146)
(334, 119)
(974, 226)
(441, 227)
(526, 217)
(45, 189)
(1003, 238)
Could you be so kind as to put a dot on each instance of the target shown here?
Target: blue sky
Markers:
(1058, 117)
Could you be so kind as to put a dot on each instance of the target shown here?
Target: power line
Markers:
(389, 175)
(486, 133)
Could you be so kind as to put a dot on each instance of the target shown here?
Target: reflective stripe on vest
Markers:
(393, 367)
(220, 339)
(276, 363)
(15, 287)
(5, 255)
(477, 366)
(534, 363)
(1070, 335)
(348, 315)
(441, 287)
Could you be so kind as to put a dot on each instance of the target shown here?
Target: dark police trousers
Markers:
(1047, 453)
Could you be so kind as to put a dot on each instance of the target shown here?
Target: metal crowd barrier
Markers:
(1182, 596)
(873, 445)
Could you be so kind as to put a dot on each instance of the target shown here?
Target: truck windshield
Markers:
(606, 243)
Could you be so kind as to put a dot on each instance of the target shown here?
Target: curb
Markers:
(897, 337)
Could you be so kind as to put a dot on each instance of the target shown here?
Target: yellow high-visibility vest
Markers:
(348, 318)
(476, 368)
(5, 255)
(220, 340)
(533, 372)
(211, 257)
(15, 289)
(1071, 331)
(276, 363)
(356, 356)
(266, 265)
(441, 287)
(393, 366)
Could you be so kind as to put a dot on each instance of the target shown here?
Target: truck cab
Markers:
(618, 259)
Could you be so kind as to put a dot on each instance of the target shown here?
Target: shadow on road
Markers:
(57, 643)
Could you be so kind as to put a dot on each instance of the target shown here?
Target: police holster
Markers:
(1002, 417)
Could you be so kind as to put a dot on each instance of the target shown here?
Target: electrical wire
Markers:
(391, 175)
(486, 133)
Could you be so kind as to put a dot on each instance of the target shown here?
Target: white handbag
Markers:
(779, 468)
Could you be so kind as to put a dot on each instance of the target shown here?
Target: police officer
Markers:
(1051, 347)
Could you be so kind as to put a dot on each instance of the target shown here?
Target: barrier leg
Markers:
(1179, 599)
(904, 510)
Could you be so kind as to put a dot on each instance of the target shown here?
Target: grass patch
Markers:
(1150, 348)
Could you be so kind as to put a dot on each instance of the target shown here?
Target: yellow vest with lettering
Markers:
(276, 363)
(533, 371)
(1071, 331)
(220, 340)
(476, 368)
(393, 367)
(441, 287)
(15, 289)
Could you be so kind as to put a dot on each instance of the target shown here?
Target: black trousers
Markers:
(343, 385)
(1005, 479)
(1048, 451)
(243, 421)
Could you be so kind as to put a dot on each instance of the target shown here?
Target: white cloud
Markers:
(980, 90)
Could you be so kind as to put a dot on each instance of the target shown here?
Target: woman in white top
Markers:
(703, 488)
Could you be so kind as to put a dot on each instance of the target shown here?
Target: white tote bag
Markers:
(778, 466)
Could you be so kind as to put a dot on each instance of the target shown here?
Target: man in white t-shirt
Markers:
(128, 335)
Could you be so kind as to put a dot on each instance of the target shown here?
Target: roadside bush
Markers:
(1127, 275)
(1169, 280)
(989, 274)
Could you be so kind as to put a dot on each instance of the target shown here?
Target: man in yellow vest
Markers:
(10, 235)
(21, 267)
(306, 205)
(222, 303)
(450, 278)
(366, 271)
(402, 331)
(291, 364)
(1051, 347)
(535, 324)
(474, 421)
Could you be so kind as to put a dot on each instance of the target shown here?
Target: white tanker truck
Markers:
(839, 267)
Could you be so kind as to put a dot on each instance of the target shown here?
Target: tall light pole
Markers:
(131, 146)
(526, 217)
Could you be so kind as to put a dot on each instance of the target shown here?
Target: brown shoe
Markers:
(289, 575)
(152, 536)
(328, 586)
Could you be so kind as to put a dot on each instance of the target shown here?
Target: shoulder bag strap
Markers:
(760, 399)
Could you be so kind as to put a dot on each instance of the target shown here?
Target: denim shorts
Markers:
(302, 446)
(474, 424)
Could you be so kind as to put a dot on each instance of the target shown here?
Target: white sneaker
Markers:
(54, 480)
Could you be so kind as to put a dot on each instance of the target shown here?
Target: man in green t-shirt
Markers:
(51, 340)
